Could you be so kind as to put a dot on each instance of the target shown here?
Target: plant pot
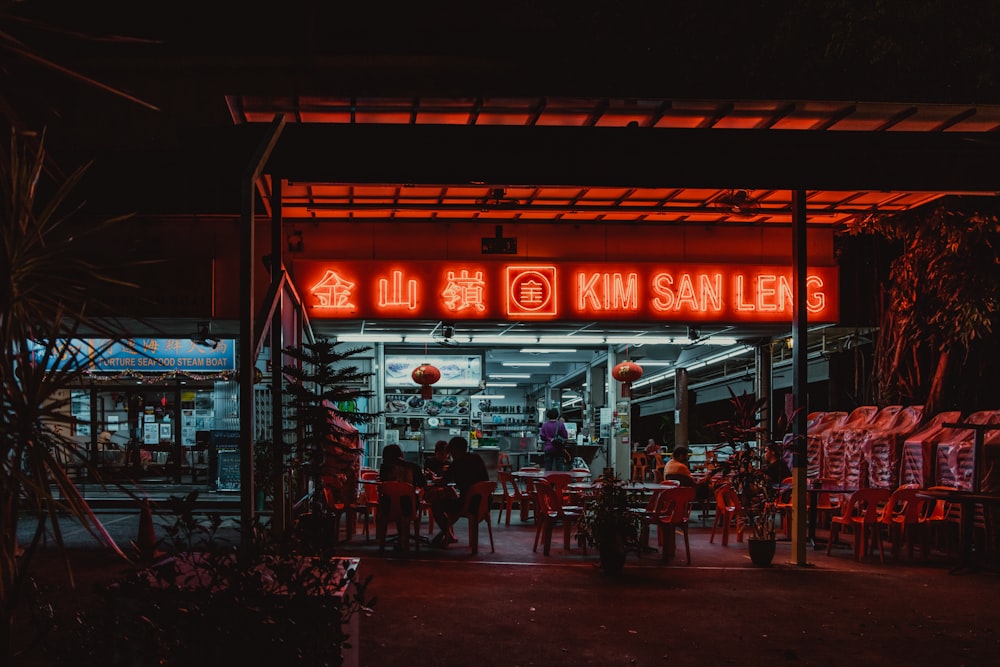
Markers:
(612, 550)
(761, 551)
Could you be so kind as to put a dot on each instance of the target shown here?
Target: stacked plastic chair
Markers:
(955, 457)
(920, 449)
(880, 449)
(855, 462)
(834, 461)
(817, 424)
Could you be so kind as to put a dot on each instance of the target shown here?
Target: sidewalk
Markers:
(516, 607)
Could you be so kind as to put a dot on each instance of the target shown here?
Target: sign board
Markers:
(228, 470)
(144, 355)
(541, 291)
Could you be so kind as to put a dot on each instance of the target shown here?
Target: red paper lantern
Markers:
(425, 375)
(627, 372)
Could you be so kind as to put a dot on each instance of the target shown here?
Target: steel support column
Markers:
(800, 376)
(248, 342)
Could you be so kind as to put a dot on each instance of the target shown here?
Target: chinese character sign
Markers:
(524, 290)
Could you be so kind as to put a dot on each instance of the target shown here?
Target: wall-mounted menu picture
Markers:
(456, 370)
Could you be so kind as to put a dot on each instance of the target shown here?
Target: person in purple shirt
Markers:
(552, 430)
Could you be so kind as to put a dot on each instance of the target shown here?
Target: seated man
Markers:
(677, 469)
(465, 470)
(395, 468)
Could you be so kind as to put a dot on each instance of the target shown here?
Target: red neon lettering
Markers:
(816, 299)
(766, 292)
(396, 298)
(685, 293)
(585, 293)
(741, 302)
(617, 291)
(531, 291)
(711, 291)
(785, 299)
(625, 291)
(333, 291)
(661, 287)
(464, 291)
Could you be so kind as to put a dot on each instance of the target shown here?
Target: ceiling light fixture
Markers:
(511, 376)
(369, 338)
(518, 364)
(546, 350)
(501, 384)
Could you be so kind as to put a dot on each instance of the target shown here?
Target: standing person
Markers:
(550, 434)
(465, 470)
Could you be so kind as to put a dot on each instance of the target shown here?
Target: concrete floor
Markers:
(516, 607)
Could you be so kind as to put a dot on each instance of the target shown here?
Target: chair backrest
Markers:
(503, 461)
(675, 504)
(640, 459)
(508, 485)
(903, 503)
(940, 509)
(546, 499)
(825, 421)
(476, 501)
(398, 500)
(861, 416)
(865, 503)
(933, 430)
(726, 499)
(682, 480)
(559, 481)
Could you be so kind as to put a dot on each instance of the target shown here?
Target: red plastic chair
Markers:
(901, 518)
(514, 495)
(675, 506)
(861, 515)
(549, 512)
(398, 503)
(728, 514)
(476, 505)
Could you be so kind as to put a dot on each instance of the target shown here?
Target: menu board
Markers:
(228, 470)
(413, 404)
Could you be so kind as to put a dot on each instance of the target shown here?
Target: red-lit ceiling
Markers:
(487, 202)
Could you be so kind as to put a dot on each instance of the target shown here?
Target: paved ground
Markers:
(513, 607)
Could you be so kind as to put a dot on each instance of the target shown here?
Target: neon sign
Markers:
(585, 291)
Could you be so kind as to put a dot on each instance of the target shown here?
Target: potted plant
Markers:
(744, 468)
(608, 522)
(325, 393)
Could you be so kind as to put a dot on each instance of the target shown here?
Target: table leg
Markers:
(811, 517)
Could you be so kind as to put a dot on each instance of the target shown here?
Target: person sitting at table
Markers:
(677, 469)
(465, 470)
(395, 468)
(437, 464)
(652, 447)
(775, 467)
